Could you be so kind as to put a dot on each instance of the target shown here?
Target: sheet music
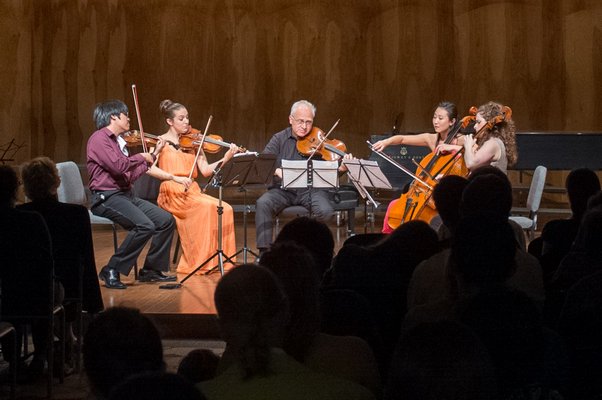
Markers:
(295, 176)
(368, 173)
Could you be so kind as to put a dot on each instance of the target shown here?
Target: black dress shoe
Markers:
(111, 278)
(150, 275)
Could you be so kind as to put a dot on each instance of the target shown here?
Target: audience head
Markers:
(253, 312)
(315, 236)
(510, 326)
(447, 196)
(104, 111)
(293, 266)
(199, 365)
(40, 178)
(119, 343)
(482, 251)
(487, 193)
(412, 241)
(441, 360)
(9, 183)
(581, 184)
(156, 386)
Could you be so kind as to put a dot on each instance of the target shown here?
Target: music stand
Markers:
(259, 171)
(366, 174)
(233, 174)
(308, 174)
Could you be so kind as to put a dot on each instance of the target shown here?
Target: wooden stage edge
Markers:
(187, 312)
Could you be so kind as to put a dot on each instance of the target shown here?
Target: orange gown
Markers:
(195, 213)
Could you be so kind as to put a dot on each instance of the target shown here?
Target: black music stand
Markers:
(310, 174)
(253, 169)
(366, 174)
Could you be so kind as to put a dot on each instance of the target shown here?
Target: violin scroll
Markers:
(505, 115)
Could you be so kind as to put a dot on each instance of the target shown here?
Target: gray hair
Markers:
(104, 111)
(305, 103)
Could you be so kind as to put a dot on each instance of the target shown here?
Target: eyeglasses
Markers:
(302, 122)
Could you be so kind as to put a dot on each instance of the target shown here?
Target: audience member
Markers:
(71, 234)
(558, 235)
(345, 357)
(441, 360)
(580, 325)
(585, 258)
(199, 365)
(253, 313)
(156, 386)
(447, 196)
(482, 257)
(119, 343)
(530, 361)
(26, 274)
(489, 196)
(315, 236)
(381, 273)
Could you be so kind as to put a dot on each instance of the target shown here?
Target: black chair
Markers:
(7, 330)
(22, 308)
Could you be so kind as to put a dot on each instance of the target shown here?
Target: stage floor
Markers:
(187, 312)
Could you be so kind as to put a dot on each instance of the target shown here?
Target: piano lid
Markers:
(559, 150)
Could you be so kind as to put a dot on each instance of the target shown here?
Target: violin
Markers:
(212, 144)
(314, 142)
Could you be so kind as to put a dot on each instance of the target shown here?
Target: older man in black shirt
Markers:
(284, 145)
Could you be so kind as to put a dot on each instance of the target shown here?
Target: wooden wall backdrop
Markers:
(246, 61)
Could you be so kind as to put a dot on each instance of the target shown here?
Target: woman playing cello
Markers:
(195, 212)
(444, 117)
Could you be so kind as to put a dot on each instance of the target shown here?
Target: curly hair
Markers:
(505, 129)
(40, 178)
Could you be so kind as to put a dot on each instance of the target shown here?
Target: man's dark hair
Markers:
(104, 111)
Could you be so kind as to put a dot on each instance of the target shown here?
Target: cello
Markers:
(417, 202)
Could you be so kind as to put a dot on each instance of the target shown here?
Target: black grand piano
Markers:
(554, 150)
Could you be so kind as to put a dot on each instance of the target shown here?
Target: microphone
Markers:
(216, 171)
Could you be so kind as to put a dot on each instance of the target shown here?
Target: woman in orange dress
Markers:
(195, 212)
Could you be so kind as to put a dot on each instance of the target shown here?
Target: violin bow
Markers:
(137, 107)
(397, 165)
(198, 152)
(322, 140)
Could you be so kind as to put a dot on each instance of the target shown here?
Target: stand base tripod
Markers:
(219, 252)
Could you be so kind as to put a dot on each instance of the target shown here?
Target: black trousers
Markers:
(275, 200)
(144, 221)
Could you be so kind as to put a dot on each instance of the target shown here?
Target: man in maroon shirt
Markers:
(112, 171)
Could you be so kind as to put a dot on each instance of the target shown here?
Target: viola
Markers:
(417, 202)
(315, 142)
